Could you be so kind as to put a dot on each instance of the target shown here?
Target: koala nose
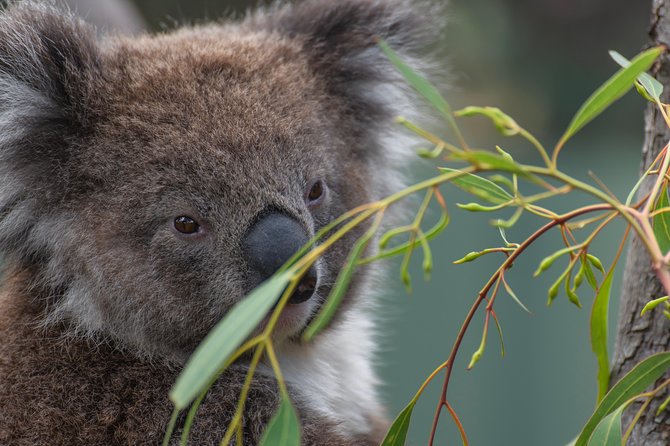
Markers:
(271, 242)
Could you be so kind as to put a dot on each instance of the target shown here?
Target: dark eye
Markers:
(186, 225)
(315, 193)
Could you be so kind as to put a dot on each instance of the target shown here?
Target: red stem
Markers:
(482, 296)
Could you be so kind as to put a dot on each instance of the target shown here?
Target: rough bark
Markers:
(639, 337)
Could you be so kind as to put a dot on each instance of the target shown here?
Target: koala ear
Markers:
(340, 39)
(47, 60)
(46, 63)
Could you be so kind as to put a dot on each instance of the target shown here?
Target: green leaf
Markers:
(423, 87)
(608, 431)
(513, 295)
(502, 122)
(340, 288)
(499, 179)
(634, 382)
(212, 353)
(284, 427)
(633, 191)
(651, 88)
(500, 335)
(480, 187)
(599, 317)
(491, 161)
(614, 88)
(662, 222)
(397, 433)
(653, 304)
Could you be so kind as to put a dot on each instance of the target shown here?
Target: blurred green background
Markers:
(537, 60)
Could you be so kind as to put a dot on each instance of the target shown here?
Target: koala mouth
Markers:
(305, 289)
(300, 309)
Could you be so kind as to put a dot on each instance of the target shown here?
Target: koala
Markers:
(149, 183)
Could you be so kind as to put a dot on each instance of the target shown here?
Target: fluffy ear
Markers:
(47, 60)
(339, 38)
(46, 63)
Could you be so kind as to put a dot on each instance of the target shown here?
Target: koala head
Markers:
(149, 183)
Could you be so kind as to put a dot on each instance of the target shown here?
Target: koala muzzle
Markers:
(270, 242)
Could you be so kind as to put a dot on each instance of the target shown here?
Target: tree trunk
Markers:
(639, 337)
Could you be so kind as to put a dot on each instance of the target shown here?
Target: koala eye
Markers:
(315, 193)
(186, 225)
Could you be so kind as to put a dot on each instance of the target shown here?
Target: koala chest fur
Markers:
(148, 184)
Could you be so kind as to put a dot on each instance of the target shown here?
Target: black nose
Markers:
(270, 243)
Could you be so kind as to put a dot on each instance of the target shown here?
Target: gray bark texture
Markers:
(639, 337)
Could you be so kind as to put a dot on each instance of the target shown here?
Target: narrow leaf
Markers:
(423, 87)
(224, 339)
(397, 434)
(500, 334)
(651, 86)
(608, 431)
(340, 288)
(480, 187)
(613, 89)
(599, 317)
(491, 161)
(510, 291)
(634, 382)
(284, 427)
(662, 221)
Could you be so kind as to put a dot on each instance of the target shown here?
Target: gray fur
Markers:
(103, 142)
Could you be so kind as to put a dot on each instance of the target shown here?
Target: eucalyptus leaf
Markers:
(513, 295)
(480, 187)
(397, 433)
(491, 161)
(340, 288)
(421, 85)
(614, 88)
(651, 88)
(644, 374)
(608, 431)
(284, 427)
(599, 317)
(225, 338)
(662, 222)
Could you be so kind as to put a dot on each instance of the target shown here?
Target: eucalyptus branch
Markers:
(483, 293)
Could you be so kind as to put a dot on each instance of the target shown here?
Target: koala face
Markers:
(153, 182)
